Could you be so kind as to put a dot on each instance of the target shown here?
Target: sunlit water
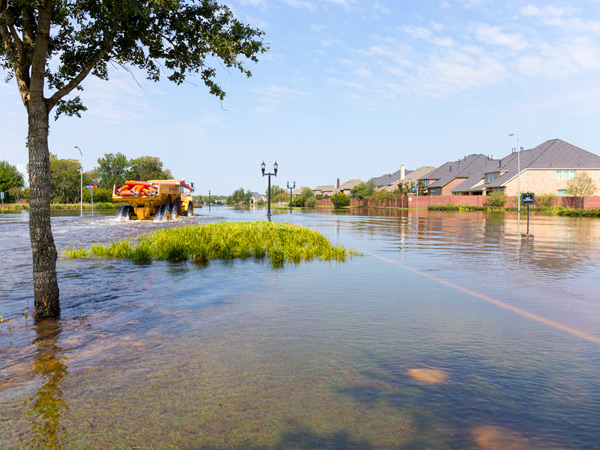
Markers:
(400, 348)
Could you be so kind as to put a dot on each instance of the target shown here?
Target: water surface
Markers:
(398, 348)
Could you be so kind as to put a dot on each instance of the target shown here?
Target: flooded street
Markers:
(451, 331)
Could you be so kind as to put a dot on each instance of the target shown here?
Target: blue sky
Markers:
(351, 89)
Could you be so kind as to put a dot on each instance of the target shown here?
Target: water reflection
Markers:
(47, 407)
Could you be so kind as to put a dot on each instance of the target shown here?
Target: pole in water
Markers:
(527, 220)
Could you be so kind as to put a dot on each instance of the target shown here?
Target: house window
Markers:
(435, 191)
(565, 174)
(562, 192)
(424, 183)
(489, 177)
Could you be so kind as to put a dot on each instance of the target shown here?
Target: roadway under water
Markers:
(451, 331)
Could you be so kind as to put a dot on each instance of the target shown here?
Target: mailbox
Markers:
(528, 198)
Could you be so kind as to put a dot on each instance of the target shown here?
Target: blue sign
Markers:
(414, 189)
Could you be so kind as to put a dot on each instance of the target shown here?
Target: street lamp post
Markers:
(290, 188)
(518, 183)
(81, 178)
(208, 201)
(275, 167)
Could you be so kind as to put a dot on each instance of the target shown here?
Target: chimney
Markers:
(402, 173)
(450, 168)
(499, 163)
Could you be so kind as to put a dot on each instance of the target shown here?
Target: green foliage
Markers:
(306, 199)
(496, 199)
(112, 169)
(362, 191)
(382, 196)
(546, 200)
(147, 168)
(579, 212)
(10, 177)
(280, 242)
(582, 186)
(100, 195)
(239, 195)
(275, 190)
(116, 169)
(65, 180)
(406, 187)
(340, 199)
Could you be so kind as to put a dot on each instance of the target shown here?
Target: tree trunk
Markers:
(45, 283)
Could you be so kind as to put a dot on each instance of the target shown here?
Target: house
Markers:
(545, 169)
(327, 190)
(257, 198)
(298, 191)
(448, 176)
(349, 185)
(412, 177)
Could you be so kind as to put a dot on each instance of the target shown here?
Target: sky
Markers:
(350, 89)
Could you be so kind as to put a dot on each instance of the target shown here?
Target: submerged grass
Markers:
(280, 242)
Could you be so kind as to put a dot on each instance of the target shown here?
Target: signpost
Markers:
(91, 187)
(528, 198)
(2, 197)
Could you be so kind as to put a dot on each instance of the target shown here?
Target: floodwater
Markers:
(451, 331)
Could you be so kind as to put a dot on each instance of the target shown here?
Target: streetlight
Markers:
(275, 167)
(518, 183)
(81, 178)
(290, 188)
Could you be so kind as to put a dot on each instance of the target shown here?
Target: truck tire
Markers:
(176, 209)
(126, 211)
(163, 212)
(190, 210)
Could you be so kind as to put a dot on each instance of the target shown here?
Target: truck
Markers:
(154, 199)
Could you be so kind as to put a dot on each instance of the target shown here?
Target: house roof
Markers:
(552, 154)
(412, 177)
(257, 196)
(463, 168)
(350, 184)
(325, 188)
(389, 178)
(299, 190)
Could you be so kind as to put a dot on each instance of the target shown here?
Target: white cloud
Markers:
(363, 72)
(496, 36)
(301, 4)
(563, 18)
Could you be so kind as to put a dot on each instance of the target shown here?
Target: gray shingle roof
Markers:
(552, 154)
(463, 168)
(389, 178)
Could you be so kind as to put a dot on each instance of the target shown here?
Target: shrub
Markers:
(496, 199)
(340, 199)
(546, 200)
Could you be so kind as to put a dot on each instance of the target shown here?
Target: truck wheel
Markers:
(174, 212)
(176, 208)
(163, 212)
(190, 210)
(125, 211)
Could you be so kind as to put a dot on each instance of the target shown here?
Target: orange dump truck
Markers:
(161, 199)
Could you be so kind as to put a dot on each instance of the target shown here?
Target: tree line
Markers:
(65, 177)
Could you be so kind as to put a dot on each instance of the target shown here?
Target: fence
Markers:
(469, 200)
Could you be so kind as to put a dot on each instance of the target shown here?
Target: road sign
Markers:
(528, 198)
(2, 195)
(91, 186)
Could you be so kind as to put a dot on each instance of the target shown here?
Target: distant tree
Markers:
(306, 198)
(582, 186)
(147, 168)
(65, 180)
(112, 169)
(15, 193)
(382, 195)
(275, 190)
(9, 177)
(362, 191)
(239, 195)
(281, 197)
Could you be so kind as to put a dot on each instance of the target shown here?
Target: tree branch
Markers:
(65, 90)
(16, 39)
